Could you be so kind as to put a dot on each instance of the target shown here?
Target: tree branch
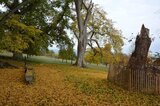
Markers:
(58, 18)
(28, 8)
(5, 17)
(78, 11)
(84, 5)
(102, 33)
(92, 34)
(8, 5)
(97, 45)
(94, 50)
(95, 42)
(76, 35)
(89, 10)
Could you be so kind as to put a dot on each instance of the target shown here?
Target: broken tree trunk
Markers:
(138, 58)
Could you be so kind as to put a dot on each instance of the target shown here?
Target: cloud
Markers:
(129, 15)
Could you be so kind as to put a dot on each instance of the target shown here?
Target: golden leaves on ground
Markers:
(48, 89)
(65, 85)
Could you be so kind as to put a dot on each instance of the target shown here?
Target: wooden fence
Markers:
(146, 80)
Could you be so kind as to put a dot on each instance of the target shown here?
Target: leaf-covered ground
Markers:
(64, 85)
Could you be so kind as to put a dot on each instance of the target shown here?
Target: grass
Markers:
(66, 85)
(44, 59)
(51, 60)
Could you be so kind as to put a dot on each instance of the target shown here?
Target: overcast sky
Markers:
(129, 15)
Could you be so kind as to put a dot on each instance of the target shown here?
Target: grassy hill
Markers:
(65, 85)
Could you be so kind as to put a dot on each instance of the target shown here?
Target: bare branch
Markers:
(84, 5)
(92, 34)
(94, 50)
(76, 35)
(97, 45)
(95, 42)
(89, 11)
(74, 32)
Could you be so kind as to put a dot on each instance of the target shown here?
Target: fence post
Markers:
(129, 82)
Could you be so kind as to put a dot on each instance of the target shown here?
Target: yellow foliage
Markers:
(66, 85)
(14, 43)
(18, 36)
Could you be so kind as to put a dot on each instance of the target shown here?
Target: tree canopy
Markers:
(92, 27)
(33, 26)
(30, 26)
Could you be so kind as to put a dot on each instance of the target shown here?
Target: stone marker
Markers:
(29, 73)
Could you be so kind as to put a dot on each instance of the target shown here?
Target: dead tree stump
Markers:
(138, 58)
(138, 76)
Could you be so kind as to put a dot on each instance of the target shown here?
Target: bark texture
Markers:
(138, 58)
(82, 26)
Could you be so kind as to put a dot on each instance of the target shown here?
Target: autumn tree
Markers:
(66, 51)
(48, 22)
(13, 6)
(82, 27)
(107, 54)
(90, 57)
(91, 27)
(106, 58)
(62, 53)
(50, 53)
(21, 33)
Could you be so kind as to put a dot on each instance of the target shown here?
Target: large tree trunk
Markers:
(82, 44)
(82, 26)
(80, 54)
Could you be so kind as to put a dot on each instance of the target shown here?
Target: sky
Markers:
(129, 15)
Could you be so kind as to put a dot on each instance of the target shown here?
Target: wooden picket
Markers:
(146, 81)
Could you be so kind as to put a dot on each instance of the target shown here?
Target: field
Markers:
(65, 85)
